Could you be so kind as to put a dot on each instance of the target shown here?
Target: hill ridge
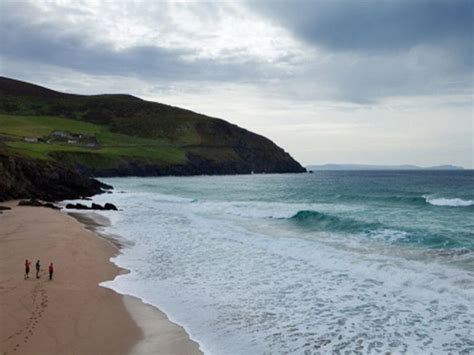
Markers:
(122, 135)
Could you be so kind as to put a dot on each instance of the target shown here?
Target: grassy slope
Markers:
(113, 146)
(121, 113)
(127, 129)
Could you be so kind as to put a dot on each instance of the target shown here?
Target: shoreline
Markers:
(152, 321)
(72, 313)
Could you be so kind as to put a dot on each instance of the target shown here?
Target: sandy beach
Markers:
(71, 314)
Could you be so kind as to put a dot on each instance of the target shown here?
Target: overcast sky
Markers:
(376, 82)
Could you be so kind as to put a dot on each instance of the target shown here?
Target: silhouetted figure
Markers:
(51, 270)
(38, 269)
(27, 268)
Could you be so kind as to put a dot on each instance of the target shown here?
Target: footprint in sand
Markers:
(39, 304)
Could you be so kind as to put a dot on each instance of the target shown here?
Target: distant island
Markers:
(52, 142)
(380, 167)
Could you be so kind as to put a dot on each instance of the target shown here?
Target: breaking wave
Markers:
(321, 221)
(448, 202)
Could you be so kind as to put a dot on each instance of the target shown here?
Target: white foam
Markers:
(449, 202)
(240, 290)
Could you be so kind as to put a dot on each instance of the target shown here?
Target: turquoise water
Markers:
(433, 209)
(364, 262)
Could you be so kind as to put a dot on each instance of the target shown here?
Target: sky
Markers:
(370, 81)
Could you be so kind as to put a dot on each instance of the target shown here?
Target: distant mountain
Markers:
(43, 130)
(444, 167)
(380, 167)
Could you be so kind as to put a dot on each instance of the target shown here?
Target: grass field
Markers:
(112, 146)
(104, 132)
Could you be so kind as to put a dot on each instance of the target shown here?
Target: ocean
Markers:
(331, 262)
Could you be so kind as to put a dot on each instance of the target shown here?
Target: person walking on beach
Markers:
(27, 268)
(51, 270)
(38, 269)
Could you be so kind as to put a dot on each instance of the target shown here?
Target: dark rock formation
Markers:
(51, 205)
(36, 203)
(95, 206)
(4, 208)
(31, 202)
(110, 207)
(77, 206)
(29, 178)
(197, 165)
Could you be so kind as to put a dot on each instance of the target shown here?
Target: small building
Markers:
(31, 139)
(59, 134)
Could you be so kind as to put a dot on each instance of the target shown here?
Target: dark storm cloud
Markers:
(383, 48)
(375, 25)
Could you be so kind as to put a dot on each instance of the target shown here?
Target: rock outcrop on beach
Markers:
(95, 206)
(37, 203)
(4, 208)
(48, 181)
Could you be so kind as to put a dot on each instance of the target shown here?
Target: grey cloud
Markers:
(375, 25)
(372, 49)
(51, 44)
(381, 48)
(363, 79)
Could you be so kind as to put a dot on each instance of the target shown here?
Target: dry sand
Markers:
(71, 314)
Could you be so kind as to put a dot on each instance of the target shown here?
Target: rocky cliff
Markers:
(26, 178)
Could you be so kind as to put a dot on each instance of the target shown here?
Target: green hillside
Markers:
(18, 132)
(124, 135)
